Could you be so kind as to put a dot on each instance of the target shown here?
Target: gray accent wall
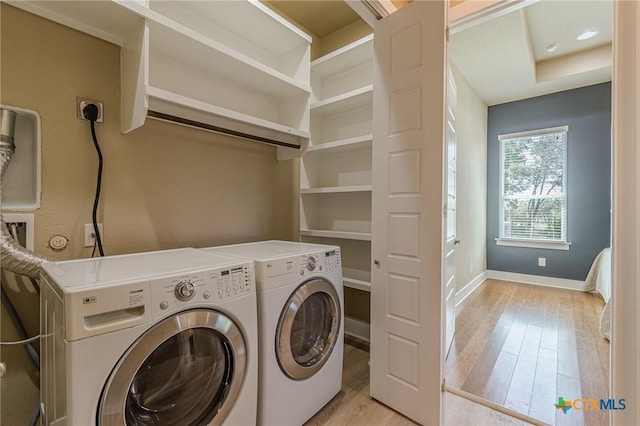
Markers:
(587, 112)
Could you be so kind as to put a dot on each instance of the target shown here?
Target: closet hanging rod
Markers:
(216, 129)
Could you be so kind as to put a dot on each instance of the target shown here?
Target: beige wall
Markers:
(345, 35)
(322, 45)
(471, 182)
(164, 186)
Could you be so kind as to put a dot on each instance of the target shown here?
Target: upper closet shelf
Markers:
(189, 47)
(349, 56)
(232, 63)
(106, 20)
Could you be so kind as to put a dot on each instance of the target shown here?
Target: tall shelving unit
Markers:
(335, 171)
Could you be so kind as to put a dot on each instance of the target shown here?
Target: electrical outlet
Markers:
(89, 235)
(542, 261)
(83, 102)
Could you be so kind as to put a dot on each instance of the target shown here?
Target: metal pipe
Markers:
(13, 257)
(22, 332)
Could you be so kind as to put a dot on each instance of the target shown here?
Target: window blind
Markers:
(533, 203)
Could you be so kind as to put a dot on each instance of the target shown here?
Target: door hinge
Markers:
(444, 385)
(444, 210)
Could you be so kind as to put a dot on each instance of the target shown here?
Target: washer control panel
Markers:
(214, 286)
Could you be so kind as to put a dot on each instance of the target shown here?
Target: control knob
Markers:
(185, 290)
(311, 263)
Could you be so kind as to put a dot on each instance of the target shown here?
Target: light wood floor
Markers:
(523, 346)
(354, 407)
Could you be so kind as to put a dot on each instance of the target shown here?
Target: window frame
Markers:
(553, 244)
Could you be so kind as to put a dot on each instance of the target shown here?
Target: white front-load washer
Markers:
(301, 327)
(160, 338)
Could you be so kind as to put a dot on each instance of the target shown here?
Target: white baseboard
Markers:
(537, 280)
(466, 291)
(356, 328)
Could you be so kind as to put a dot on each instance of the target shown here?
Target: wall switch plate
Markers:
(83, 102)
(542, 261)
(89, 238)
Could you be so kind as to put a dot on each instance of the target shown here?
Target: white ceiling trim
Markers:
(372, 10)
(470, 13)
(595, 59)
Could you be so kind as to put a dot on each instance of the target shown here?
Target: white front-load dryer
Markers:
(301, 327)
(161, 338)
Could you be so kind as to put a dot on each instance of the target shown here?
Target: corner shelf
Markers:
(344, 102)
(343, 145)
(356, 284)
(336, 169)
(349, 56)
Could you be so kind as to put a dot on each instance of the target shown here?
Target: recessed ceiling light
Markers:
(588, 34)
(552, 47)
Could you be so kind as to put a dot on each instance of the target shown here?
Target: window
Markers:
(533, 184)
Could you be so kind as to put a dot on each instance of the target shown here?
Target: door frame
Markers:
(625, 294)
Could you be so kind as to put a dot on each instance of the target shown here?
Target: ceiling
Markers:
(504, 59)
(319, 17)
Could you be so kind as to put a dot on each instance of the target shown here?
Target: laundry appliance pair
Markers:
(182, 337)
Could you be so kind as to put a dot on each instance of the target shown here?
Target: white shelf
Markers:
(336, 189)
(356, 284)
(180, 106)
(187, 46)
(344, 102)
(362, 236)
(245, 26)
(336, 170)
(106, 20)
(344, 145)
(349, 56)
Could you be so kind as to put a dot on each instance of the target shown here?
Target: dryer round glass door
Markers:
(185, 370)
(308, 329)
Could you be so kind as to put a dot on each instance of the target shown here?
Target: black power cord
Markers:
(90, 112)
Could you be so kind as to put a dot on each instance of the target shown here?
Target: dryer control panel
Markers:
(324, 261)
(209, 286)
(302, 265)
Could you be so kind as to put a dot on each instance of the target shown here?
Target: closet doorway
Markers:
(516, 343)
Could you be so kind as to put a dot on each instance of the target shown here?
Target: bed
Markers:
(599, 280)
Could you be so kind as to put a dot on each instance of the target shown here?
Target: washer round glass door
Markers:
(308, 329)
(185, 370)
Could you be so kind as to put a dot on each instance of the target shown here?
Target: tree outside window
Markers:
(533, 185)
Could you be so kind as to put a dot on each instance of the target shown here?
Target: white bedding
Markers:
(599, 280)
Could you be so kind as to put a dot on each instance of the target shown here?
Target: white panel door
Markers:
(407, 315)
(450, 218)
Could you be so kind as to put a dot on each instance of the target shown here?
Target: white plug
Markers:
(90, 236)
